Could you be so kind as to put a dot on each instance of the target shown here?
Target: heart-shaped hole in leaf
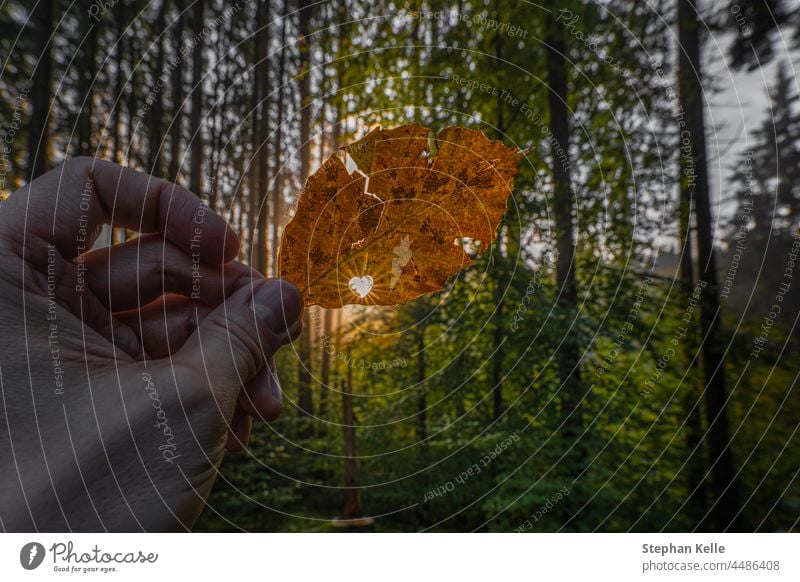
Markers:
(361, 286)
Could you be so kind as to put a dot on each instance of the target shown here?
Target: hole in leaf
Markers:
(361, 286)
(350, 164)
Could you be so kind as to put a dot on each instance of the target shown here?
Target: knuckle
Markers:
(79, 162)
(244, 343)
(77, 166)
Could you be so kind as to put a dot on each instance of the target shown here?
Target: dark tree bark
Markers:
(695, 469)
(324, 366)
(87, 69)
(156, 111)
(498, 332)
(196, 117)
(262, 160)
(305, 401)
(327, 315)
(323, 96)
(222, 87)
(134, 90)
(176, 82)
(499, 267)
(277, 187)
(255, 140)
(304, 48)
(422, 404)
(695, 183)
(41, 92)
(325, 363)
(351, 508)
(119, 82)
(569, 354)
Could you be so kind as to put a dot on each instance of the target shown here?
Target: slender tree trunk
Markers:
(240, 225)
(569, 354)
(695, 470)
(304, 349)
(498, 332)
(133, 89)
(422, 404)
(156, 112)
(119, 82)
(326, 314)
(222, 84)
(351, 508)
(341, 35)
(498, 267)
(262, 159)
(176, 129)
(304, 47)
(325, 337)
(86, 70)
(277, 188)
(41, 91)
(325, 363)
(196, 118)
(237, 204)
(695, 184)
(255, 140)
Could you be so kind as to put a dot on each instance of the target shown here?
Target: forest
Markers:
(621, 359)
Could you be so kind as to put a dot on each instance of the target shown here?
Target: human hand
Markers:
(125, 372)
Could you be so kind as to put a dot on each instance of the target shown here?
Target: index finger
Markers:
(68, 205)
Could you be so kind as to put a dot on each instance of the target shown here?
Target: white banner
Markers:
(400, 557)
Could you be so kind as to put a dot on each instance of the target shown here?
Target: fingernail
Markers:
(278, 304)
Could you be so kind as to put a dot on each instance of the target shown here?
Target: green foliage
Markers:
(636, 329)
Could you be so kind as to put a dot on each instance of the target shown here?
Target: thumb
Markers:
(237, 339)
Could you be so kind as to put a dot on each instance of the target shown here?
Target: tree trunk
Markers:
(498, 332)
(325, 363)
(277, 186)
(499, 266)
(131, 100)
(41, 92)
(262, 161)
(326, 345)
(695, 185)
(422, 405)
(86, 72)
(196, 118)
(119, 83)
(305, 88)
(176, 129)
(351, 508)
(569, 354)
(222, 84)
(255, 141)
(304, 349)
(155, 114)
(325, 336)
(695, 470)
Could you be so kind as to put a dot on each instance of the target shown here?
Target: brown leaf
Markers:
(393, 229)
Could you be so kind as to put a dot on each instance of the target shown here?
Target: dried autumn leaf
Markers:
(392, 230)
